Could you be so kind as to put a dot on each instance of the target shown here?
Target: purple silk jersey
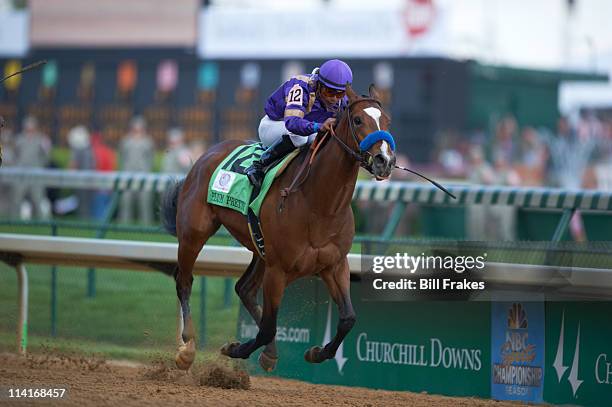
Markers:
(296, 103)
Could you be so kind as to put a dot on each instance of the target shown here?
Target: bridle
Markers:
(363, 157)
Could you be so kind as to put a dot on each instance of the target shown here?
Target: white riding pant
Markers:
(270, 131)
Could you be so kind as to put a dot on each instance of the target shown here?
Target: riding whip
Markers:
(25, 69)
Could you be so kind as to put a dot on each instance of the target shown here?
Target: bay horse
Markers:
(311, 235)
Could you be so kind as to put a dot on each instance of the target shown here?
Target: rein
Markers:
(298, 180)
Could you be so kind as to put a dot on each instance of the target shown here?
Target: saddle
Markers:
(229, 186)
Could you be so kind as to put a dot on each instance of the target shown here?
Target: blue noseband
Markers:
(374, 137)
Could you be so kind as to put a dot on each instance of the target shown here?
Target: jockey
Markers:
(298, 110)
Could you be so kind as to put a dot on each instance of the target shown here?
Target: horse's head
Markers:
(368, 124)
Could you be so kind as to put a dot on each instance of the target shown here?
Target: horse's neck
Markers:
(331, 183)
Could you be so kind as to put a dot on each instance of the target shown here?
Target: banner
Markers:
(517, 351)
(113, 23)
(414, 28)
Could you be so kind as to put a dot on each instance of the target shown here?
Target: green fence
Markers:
(437, 347)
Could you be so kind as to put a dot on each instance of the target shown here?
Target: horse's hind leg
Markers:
(338, 284)
(274, 283)
(246, 288)
(191, 240)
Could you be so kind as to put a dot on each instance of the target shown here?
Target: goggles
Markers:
(329, 92)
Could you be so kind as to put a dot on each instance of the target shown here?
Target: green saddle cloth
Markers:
(230, 187)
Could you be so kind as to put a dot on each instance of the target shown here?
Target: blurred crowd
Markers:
(577, 155)
(135, 152)
(571, 157)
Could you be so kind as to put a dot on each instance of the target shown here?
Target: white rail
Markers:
(18, 250)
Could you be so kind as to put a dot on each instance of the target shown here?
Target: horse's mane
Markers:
(342, 115)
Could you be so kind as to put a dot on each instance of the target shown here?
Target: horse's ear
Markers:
(373, 92)
(352, 96)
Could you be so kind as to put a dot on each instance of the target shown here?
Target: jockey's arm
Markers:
(300, 126)
(296, 102)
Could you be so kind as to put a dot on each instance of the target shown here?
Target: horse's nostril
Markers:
(379, 160)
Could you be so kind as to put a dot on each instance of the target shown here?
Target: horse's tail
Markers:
(167, 208)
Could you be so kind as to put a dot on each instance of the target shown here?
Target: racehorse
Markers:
(311, 235)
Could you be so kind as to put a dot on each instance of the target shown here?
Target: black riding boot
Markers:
(275, 152)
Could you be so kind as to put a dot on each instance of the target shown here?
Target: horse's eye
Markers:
(357, 121)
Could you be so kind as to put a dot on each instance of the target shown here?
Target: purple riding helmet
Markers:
(335, 74)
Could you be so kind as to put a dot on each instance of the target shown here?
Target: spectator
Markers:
(506, 175)
(503, 142)
(32, 149)
(82, 158)
(531, 158)
(480, 219)
(8, 159)
(450, 156)
(589, 127)
(196, 149)
(492, 222)
(106, 160)
(136, 155)
(481, 172)
(569, 157)
(7, 141)
(177, 158)
(1, 127)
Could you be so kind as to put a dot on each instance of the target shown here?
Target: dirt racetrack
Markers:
(94, 382)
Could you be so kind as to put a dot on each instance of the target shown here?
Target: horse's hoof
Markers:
(313, 355)
(267, 362)
(185, 355)
(228, 348)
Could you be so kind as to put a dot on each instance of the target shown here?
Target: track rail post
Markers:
(564, 222)
(22, 323)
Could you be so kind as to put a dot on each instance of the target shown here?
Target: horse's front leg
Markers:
(274, 283)
(338, 282)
